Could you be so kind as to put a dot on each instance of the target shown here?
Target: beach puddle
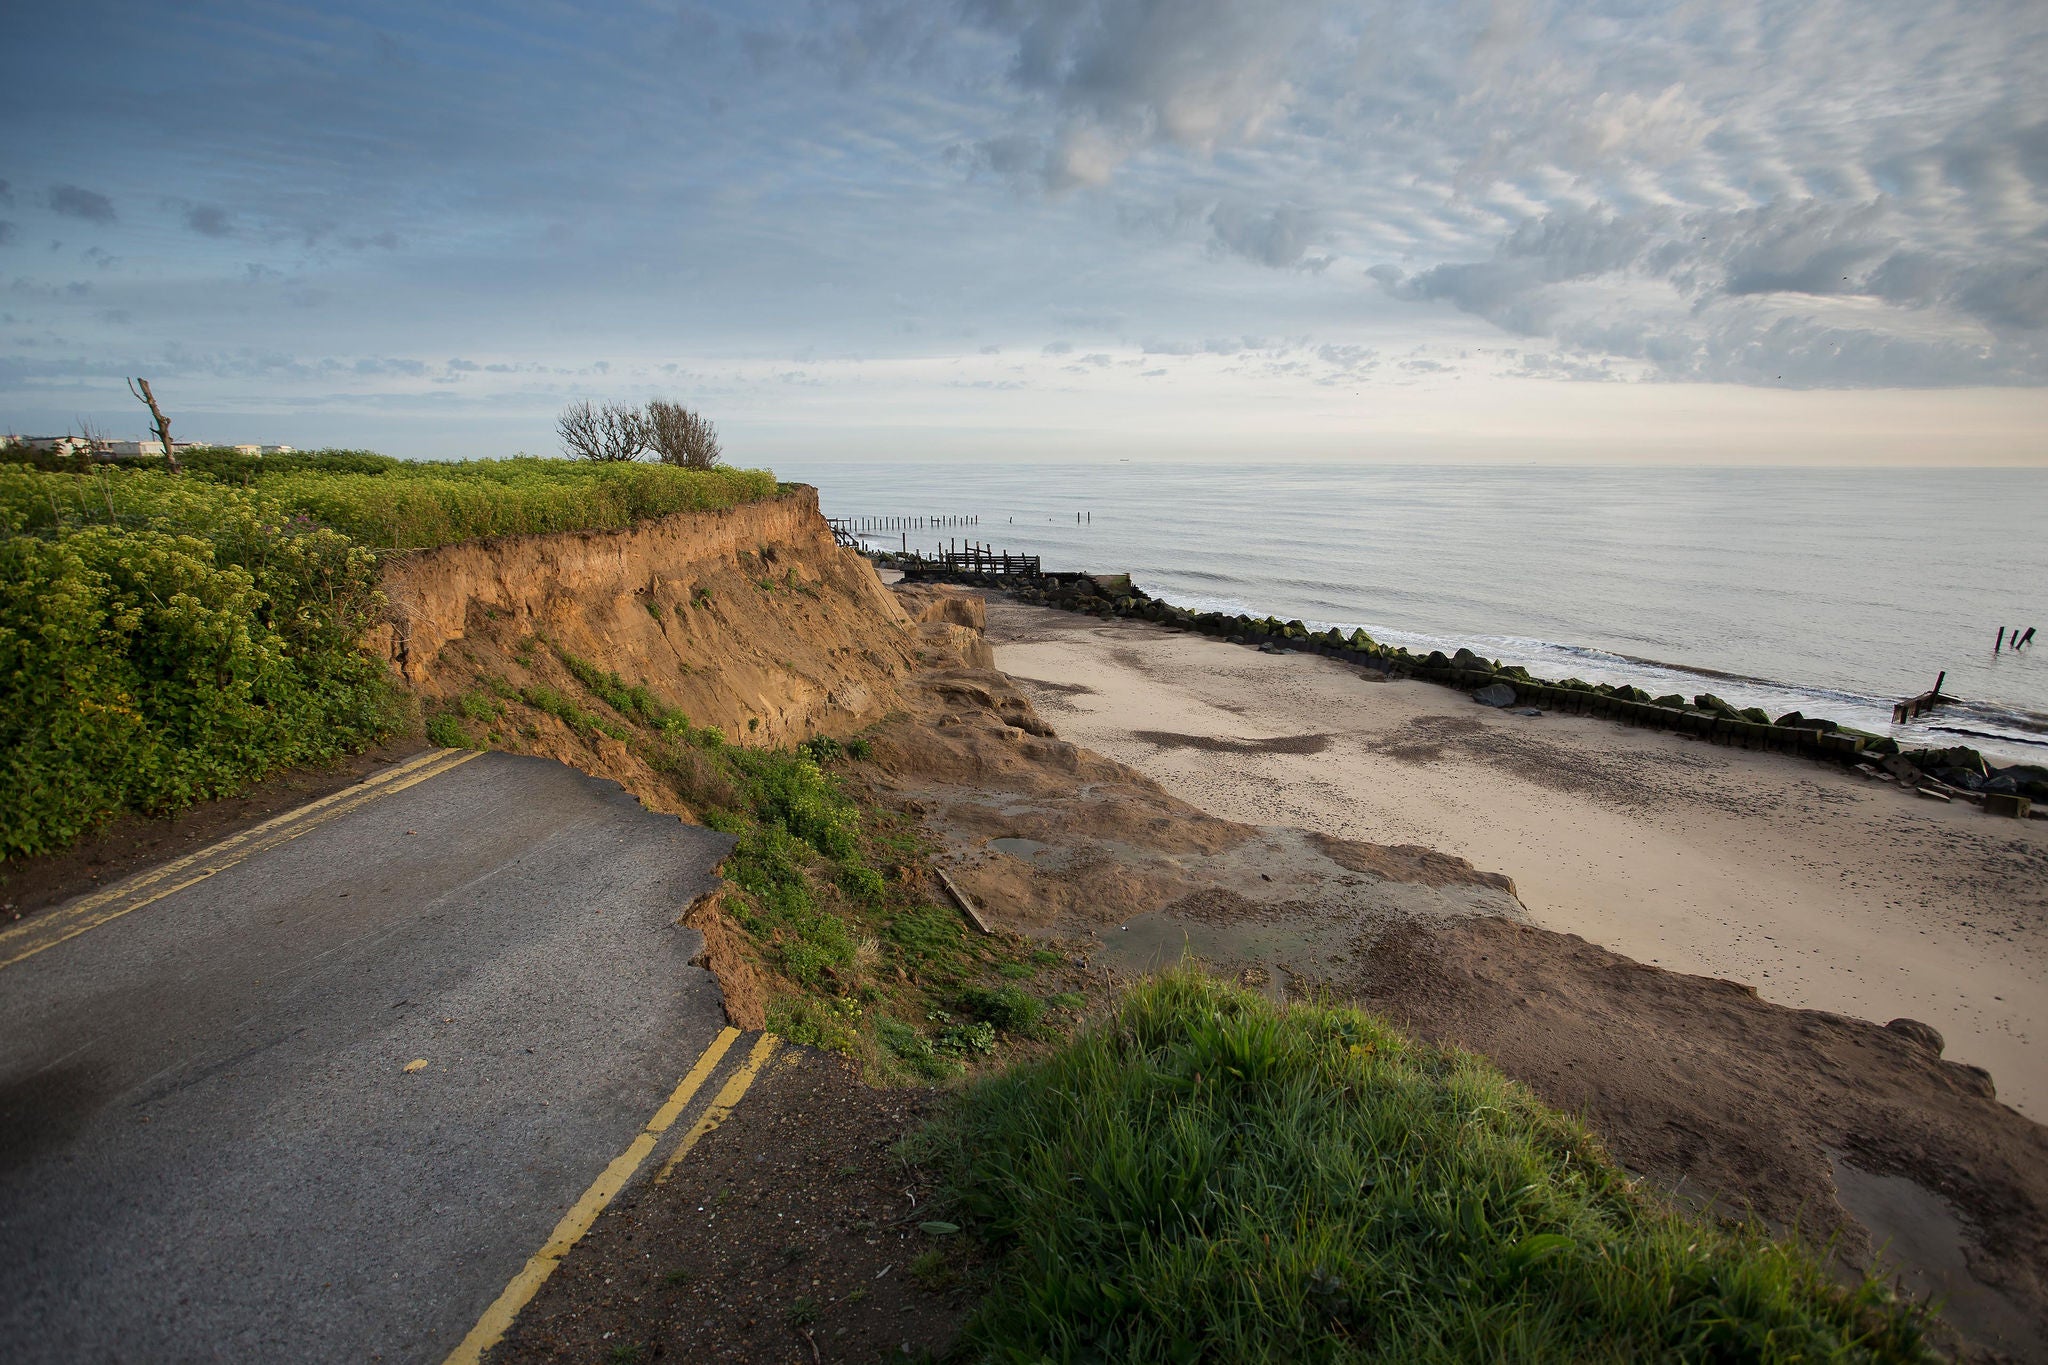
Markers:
(1262, 954)
(1919, 1239)
(1040, 856)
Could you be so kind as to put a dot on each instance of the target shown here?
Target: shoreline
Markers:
(2018, 737)
(1818, 886)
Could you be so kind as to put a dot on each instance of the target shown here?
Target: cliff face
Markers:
(750, 619)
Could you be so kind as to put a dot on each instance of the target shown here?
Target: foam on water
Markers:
(1833, 592)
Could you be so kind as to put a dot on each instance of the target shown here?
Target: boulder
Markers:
(1755, 715)
(1926, 1035)
(1465, 658)
(1495, 694)
(1964, 779)
(1707, 701)
(1671, 699)
(1962, 756)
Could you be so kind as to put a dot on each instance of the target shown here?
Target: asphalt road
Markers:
(210, 1145)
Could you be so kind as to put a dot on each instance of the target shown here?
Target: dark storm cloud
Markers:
(72, 201)
(208, 220)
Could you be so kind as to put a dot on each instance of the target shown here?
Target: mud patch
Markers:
(791, 1233)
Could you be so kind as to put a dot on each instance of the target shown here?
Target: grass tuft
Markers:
(1209, 1176)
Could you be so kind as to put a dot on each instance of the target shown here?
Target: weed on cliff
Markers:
(1208, 1176)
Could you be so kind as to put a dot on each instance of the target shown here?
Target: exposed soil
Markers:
(131, 843)
(1727, 1100)
(1057, 840)
(790, 1233)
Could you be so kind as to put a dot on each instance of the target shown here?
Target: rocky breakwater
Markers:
(1941, 774)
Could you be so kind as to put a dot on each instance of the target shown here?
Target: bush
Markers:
(1208, 1176)
(144, 667)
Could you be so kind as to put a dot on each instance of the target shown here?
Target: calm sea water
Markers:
(1834, 592)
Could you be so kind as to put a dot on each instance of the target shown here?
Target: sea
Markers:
(1833, 592)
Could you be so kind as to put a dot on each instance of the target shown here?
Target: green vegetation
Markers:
(168, 641)
(381, 502)
(1207, 1176)
(171, 639)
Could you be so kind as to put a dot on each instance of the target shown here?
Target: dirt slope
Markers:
(749, 619)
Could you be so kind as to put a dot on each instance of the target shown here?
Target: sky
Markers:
(1073, 229)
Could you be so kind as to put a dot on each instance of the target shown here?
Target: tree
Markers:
(606, 434)
(680, 436)
(140, 388)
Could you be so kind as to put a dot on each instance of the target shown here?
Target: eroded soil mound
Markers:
(750, 619)
(1054, 838)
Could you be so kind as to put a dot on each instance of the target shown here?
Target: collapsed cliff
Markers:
(749, 618)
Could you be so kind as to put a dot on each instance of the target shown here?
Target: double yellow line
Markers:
(490, 1329)
(125, 897)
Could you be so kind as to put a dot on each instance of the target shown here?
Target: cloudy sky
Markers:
(997, 228)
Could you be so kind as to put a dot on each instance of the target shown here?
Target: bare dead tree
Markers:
(606, 434)
(680, 436)
(140, 388)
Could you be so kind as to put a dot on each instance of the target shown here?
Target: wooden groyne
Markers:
(1915, 707)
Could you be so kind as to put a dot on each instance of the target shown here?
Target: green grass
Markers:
(381, 503)
(1207, 1176)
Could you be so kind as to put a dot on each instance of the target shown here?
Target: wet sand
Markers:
(1821, 888)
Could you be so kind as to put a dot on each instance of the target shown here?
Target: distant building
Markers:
(62, 445)
(80, 445)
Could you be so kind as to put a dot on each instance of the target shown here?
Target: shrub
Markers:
(446, 731)
(164, 642)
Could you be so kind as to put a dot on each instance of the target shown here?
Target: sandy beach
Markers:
(1820, 888)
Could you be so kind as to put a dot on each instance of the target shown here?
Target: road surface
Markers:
(217, 1137)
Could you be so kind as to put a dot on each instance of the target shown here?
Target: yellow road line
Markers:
(146, 888)
(721, 1108)
(490, 1329)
